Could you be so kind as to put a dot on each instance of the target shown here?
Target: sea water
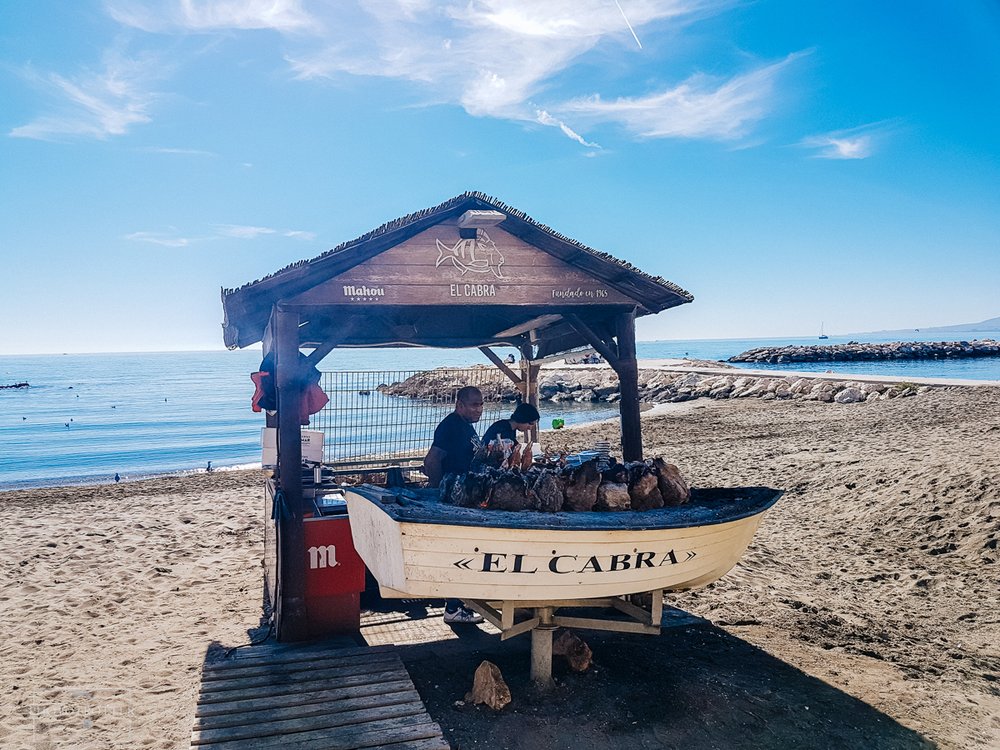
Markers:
(86, 417)
(970, 368)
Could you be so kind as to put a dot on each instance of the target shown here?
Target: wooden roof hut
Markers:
(470, 272)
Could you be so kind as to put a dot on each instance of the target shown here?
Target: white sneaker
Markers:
(463, 615)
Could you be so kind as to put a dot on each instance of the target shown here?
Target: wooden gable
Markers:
(440, 266)
(468, 272)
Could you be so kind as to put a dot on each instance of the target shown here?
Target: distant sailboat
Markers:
(821, 334)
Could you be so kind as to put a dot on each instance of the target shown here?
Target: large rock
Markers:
(547, 390)
(548, 491)
(855, 352)
(613, 496)
(466, 490)
(510, 491)
(643, 486)
(849, 395)
(489, 687)
(673, 487)
(581, 486)
(577, 653)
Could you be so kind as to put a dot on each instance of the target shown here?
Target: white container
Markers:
(312, 447)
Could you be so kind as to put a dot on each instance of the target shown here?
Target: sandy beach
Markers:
(874, 581)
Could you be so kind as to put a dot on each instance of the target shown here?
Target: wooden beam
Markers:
(322, 350)
(530, 325)
(628, 381)
(492, 357)
(530, 389)
(593, 339)
(291, 610)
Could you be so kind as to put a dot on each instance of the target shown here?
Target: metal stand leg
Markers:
(541, 650)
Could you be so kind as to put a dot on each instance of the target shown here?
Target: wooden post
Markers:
(628, 380)
(541, 650)
(291, 605)
(530, 390)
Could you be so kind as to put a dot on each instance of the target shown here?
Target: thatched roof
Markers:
(248, 308)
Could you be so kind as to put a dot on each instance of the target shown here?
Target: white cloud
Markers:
(494, 58)
(546, 119)
(852, 143)
(230, 231)
(701, 107)
(158, 238)
(491, 57)
(829, 147)
(179, 151)
(157, 16)
(242, 232)
(97, 104)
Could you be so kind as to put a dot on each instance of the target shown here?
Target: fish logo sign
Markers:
(479, 255)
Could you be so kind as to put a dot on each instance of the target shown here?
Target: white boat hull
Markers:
(434, 560)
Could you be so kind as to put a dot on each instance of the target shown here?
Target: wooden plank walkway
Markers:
(312, 697)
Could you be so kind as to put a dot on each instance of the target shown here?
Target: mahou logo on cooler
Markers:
(324, 556)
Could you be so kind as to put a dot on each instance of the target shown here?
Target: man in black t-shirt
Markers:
(455, 439)
(455, 443)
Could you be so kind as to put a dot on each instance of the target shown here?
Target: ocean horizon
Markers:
(86, 417)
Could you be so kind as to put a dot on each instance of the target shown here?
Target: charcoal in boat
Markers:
(467, 490)
(643, 485)
(613, 496)
(673, 487)
(581, 485)
(510, 491)
(548, 491)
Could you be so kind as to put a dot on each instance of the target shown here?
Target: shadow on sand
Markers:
(694, 686)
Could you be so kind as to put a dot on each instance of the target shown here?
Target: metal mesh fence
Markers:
(369, 423)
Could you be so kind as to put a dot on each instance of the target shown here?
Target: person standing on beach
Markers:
(455, 443)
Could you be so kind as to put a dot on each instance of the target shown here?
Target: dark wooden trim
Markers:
(492, 357)
(602, 346)
(291, 606)
(408, 342)
(628, 380)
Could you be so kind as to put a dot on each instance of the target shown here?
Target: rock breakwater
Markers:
(600, 384)
(857, 352)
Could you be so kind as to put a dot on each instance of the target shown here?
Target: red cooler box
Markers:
(335, 573)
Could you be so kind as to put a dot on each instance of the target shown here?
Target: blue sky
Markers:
(789, 163)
